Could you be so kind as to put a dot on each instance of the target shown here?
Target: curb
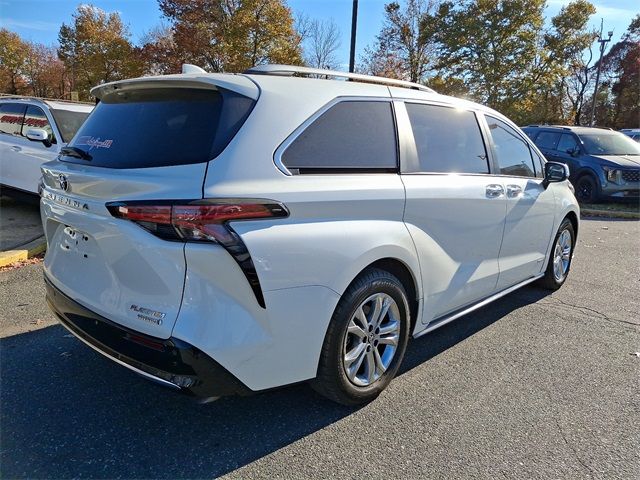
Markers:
(609, 214)
(28, 250)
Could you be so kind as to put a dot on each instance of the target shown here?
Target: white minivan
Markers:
(33, 131)
(230, 233)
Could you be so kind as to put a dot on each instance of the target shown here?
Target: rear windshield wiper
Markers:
(75, 152)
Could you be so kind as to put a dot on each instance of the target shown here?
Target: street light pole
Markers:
(603, 42)
(354, 21)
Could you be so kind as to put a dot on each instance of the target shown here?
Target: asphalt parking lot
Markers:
(20, 221)
(536, 385)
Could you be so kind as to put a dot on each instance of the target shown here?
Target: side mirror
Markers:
(574, 152)
(555, 172)
(39, 135)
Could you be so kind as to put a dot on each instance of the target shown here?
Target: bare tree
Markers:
(302, 24)
(321, 43)
(577, 83)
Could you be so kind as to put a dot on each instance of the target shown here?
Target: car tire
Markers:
(359, 358)
(587, 189)
(560, 257)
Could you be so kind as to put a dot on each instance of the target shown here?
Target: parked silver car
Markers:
(33, 131)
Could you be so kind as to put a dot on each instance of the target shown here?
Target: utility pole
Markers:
(354, 21)
(603, 42)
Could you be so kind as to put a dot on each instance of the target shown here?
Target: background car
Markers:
(634, 133)
(603, 164)
(33, 131)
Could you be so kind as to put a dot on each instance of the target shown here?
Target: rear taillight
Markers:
(203, 221)
(196, 221)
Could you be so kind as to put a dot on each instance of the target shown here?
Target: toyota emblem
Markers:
(62, 182)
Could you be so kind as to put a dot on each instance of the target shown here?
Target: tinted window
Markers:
(350, 135)
(160, 127)
(538, 163)
(68, 122)
(567, 142)
(447, 139)
(11, 117)
(547, 140)
(36, 118)
(512, 152)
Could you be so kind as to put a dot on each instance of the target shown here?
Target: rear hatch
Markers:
(148, 141)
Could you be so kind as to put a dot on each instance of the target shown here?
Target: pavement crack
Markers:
(602, 316)
(571, 447)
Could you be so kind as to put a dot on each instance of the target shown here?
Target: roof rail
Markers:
(547, 125)
(11, 96)
(291, 70)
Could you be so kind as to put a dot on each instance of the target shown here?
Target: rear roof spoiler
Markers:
(236, 83)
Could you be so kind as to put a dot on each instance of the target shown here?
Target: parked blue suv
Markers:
(603, 164)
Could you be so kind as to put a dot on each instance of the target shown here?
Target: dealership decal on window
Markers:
(94, 142)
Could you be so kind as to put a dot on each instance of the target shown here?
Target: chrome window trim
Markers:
(277, 156)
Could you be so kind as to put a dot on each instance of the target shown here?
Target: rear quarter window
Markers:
(351, 135)
(160, 127)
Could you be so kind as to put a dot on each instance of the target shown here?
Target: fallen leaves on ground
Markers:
(30, 261)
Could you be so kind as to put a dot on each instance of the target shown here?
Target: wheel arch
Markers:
(402, 272)
(588, 171)
(573, 218)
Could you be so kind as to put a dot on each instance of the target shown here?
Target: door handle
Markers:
(16, 148)
(494, 190)
(514, 191)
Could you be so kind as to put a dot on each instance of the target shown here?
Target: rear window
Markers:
(351, 135)
(160, 127)
(68, 122)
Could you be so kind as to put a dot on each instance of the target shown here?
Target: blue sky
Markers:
(40, 20)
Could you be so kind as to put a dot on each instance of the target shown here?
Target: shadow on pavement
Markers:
(19, 220)
(68, 412)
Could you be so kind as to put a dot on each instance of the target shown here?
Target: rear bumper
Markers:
(171, 362)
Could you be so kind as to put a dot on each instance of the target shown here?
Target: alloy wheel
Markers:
(562, 255)
(371, 340)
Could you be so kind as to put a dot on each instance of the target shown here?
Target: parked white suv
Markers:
(33, 131)
(225, 234)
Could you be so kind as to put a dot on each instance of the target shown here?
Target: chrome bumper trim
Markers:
(148, 376)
